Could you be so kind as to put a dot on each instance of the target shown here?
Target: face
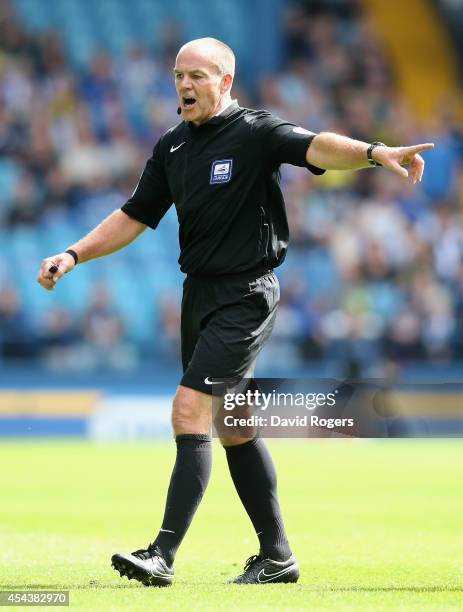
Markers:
(199, 86)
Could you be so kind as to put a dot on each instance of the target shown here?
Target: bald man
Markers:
(220, 166)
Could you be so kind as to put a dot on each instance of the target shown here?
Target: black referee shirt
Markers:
(224, 179)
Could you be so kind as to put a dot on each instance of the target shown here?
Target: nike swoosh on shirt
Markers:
(272, 576)
(172, 149)
(212, 382)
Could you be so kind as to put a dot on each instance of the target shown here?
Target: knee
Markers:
(189, 414)
(182, 415)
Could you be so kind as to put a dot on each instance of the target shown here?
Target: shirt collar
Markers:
(224, 110)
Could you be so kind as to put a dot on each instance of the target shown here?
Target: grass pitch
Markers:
(375, 525)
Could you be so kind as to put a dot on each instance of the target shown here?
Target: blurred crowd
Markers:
(374, 274)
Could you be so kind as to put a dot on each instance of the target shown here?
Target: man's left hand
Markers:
(395, 158)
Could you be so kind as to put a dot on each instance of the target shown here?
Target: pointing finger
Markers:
(418, 148)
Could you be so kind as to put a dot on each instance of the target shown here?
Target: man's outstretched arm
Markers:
(335, 152)
(113, 233)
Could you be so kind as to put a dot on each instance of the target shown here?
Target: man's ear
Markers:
(227, 81)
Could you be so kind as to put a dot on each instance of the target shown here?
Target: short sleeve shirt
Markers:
(223, 178)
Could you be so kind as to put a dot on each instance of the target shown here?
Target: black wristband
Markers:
(371, 161)
(73, 254)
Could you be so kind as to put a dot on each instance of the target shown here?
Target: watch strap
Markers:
(370, 149)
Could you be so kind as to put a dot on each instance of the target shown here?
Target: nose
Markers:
(184, 82)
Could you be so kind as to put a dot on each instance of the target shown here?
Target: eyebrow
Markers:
(176, 70)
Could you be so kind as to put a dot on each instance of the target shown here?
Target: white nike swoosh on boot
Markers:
(272, 576)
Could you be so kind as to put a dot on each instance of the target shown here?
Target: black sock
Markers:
(252, 470)
(187, 485)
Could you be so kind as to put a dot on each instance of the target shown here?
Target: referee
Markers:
(220, 166)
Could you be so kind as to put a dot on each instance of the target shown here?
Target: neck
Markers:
(221, 105)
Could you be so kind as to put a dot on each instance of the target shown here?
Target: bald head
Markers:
(204, 71)
(212, 50)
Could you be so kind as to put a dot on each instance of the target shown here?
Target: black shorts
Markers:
(225, 322)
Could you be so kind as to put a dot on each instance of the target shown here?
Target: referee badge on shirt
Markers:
(221, 171)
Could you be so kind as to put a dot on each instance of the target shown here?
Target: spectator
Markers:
(71, 143)
(17, 338)
(58, 338)
(105, 345)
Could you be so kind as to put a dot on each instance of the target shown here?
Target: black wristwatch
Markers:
(371, 161)
(73, 254)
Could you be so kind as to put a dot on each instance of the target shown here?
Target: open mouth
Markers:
(188, 102)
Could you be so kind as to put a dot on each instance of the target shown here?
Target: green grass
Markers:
(375, 525)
